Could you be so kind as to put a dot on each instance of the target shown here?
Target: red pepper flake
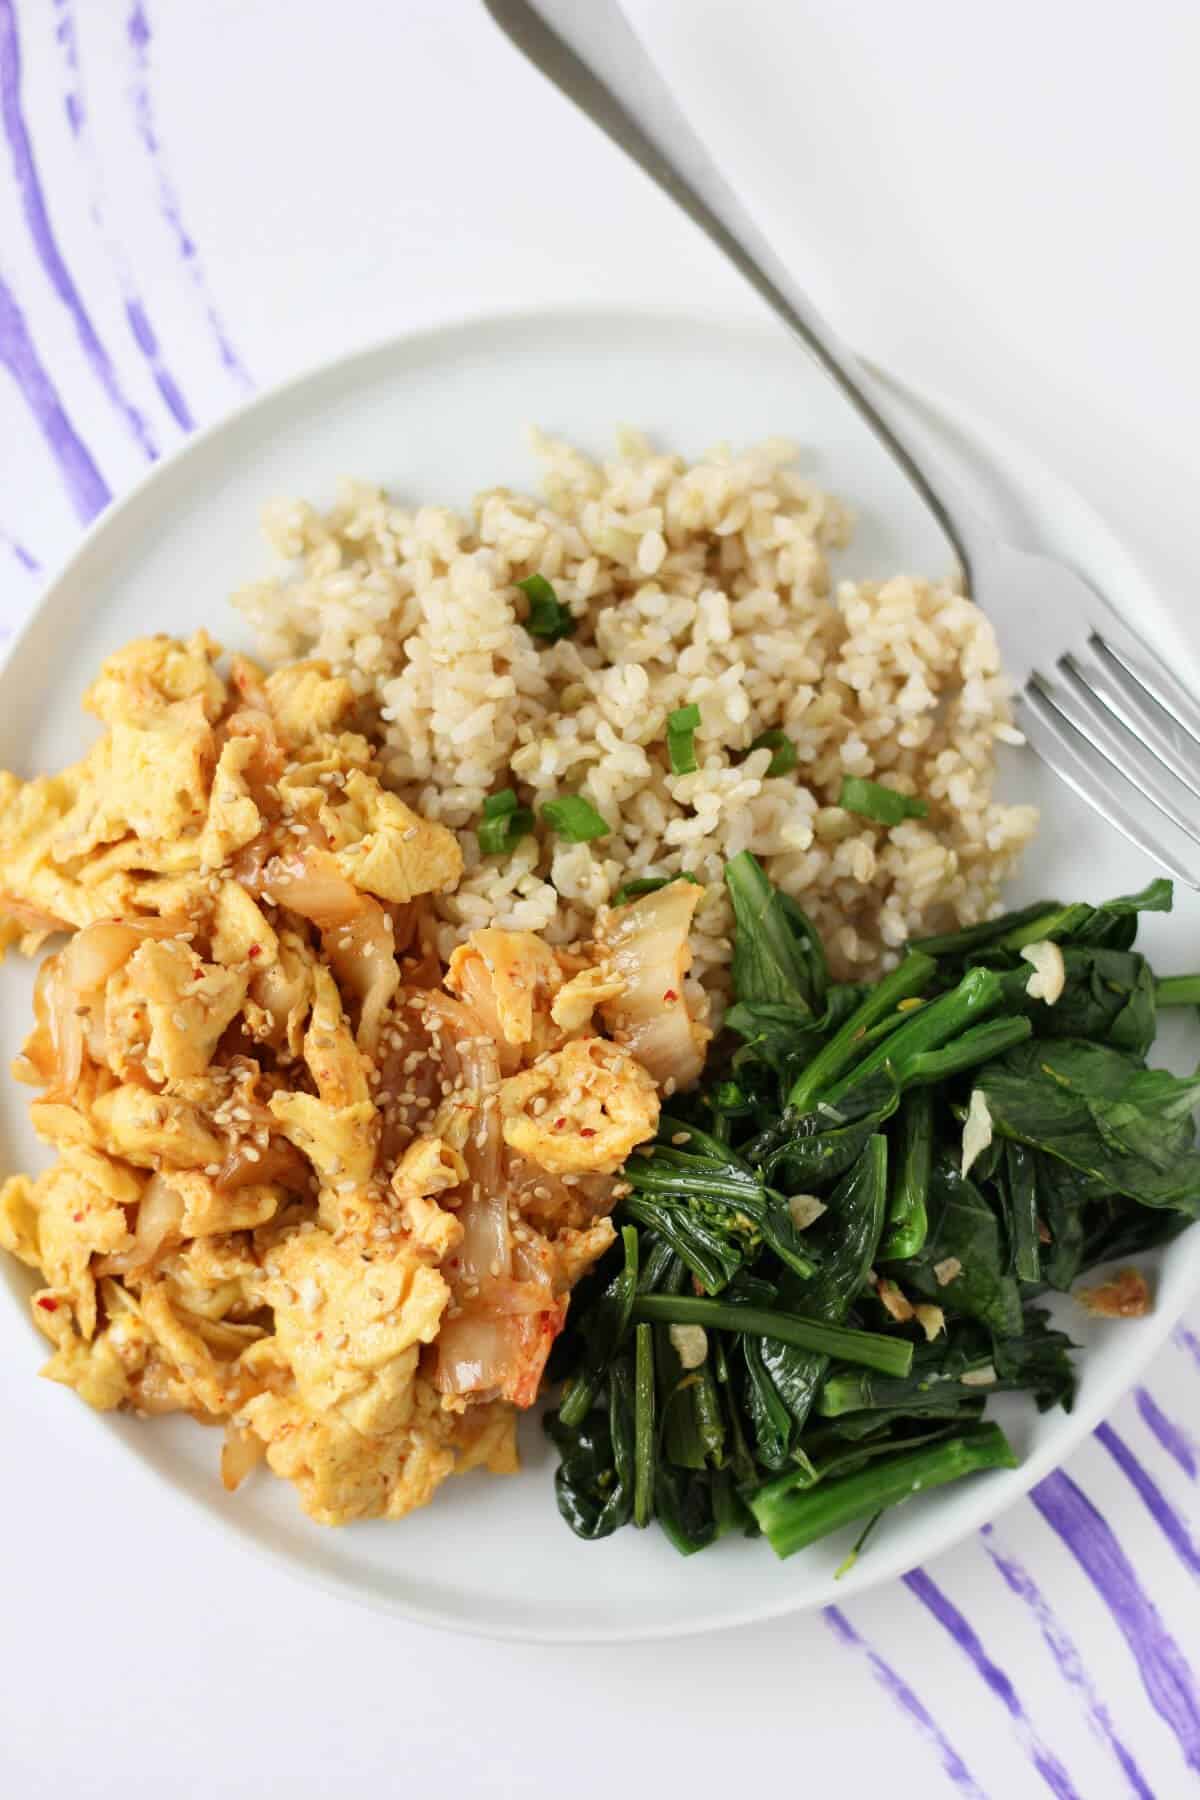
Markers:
(47, 1304)
(77, 1218)
(559, 1123)
(670, 994)
(253, 951)
(586, 1131)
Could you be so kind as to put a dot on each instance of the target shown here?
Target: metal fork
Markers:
(1095, 702)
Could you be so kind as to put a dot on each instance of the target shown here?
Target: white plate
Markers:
(436, 417)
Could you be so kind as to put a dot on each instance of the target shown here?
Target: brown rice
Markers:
(705, 583)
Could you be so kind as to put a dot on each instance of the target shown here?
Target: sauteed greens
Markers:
(834, 1251)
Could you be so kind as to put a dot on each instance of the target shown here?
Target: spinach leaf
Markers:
(683, 1506)
(771, 1419)
(713, 1255)
(1127, 1127)
(603, 1329)
(1113, 1231)
(803, 1156)
(1063, 1197)
(1108, 996)
(594, 1480)
(846, 1238)
(1114, 924)
(951, 1376)
(1016, 1183)
(776, 1033)
(711, 1205)
(1110, 926)
(1036, 1360)
(777, 954)
(963, 1228)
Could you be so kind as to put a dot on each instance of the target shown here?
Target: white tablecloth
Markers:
(197, 200)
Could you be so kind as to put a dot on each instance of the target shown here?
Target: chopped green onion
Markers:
(504, 823)
(784, 755)
(650, 884)
(548, 617)
(681, 739)
(874, 801)
(575, 819)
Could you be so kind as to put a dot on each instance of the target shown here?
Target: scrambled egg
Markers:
(304, 1188)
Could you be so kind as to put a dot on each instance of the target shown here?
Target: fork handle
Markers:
(591, 53)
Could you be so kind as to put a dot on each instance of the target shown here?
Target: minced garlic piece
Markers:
(805, 1209)
(977, 1129)
(931, 1319)
(1049, 971)
(690, 1344)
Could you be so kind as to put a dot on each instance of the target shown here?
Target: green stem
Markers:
(912, 977)
(872, 1349)
(907, 1222)
(980, 1044)
(982, 937)
(643, 1425)
(664, 1174)
(793, 1521)
(1056, 922)
(978, 993)
(1178, 990)
(848, 1563)
(1023, 1225)
(580, 1397)
(851, 1391)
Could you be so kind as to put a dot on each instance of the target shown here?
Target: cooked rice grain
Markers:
(705, 583)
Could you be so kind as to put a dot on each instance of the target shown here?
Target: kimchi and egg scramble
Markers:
(365, 1000)
(310, 1183)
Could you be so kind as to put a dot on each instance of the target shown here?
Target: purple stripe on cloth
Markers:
(1169, 1683)
(1183, 1339)
(83, 481)
(140, 38)
(1153, 1498)
(1068, 1660)
(1179, 1445)
(964, 1635)
(899, 1690)
(41, 231)
(144, 335)
(26, 558)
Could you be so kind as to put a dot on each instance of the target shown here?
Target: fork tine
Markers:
(1053, 743)
(1145, 671)
(1116, 740)
(1169, 742)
